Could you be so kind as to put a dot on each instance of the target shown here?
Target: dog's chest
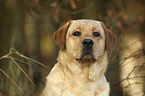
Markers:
(82, 88)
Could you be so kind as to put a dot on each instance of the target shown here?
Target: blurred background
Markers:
(28, 52)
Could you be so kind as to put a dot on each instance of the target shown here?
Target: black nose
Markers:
(87, 43)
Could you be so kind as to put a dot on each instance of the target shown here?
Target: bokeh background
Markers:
(28, 52)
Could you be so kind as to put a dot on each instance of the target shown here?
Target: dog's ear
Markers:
(109, 38)
(60, 35)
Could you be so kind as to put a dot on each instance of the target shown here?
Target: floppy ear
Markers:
(109, 38)
(60, 35)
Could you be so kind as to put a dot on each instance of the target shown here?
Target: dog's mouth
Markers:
(87, 56)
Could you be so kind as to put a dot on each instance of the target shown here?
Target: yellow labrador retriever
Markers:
(82, 61)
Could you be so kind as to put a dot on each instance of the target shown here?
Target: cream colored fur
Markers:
(72, 78)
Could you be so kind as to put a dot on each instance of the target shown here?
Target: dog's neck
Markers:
(94, 71)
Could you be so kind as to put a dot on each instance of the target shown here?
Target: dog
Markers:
(84, 49)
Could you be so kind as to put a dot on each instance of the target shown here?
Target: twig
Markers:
(132, 84)
(128, 77)
(135, 54)
(22, 70)
(12, 81)
(21, 55)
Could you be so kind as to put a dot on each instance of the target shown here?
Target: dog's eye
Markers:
(76, 33)
(96, 34)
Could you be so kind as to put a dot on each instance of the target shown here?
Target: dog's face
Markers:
(85, 40)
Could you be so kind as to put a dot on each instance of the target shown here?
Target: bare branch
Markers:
(12, 81)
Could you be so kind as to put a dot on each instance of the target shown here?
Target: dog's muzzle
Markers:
(87, 51)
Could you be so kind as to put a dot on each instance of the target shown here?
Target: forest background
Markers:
(28, 52)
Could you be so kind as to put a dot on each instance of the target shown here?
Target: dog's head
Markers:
(85, 40)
